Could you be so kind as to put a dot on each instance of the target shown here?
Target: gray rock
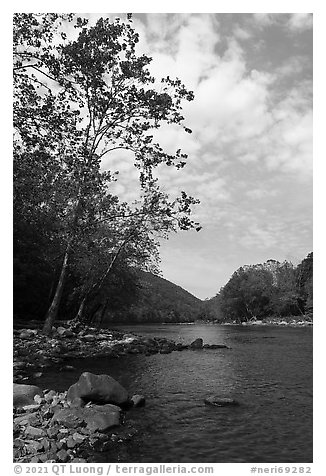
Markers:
(31, 408)
(34, 432)
(89, 338)
(63, 456)
(216, 346)
(69, 417)
(19, 365)
(29, 418)
(98, 389)
(220, 401)
(49, 396)
(165, 349)
(197, 344)
(24, 394)
(67, 368)
(97, 418)
(27, 333)
(102, 418)
(138, 400)
(61, 330)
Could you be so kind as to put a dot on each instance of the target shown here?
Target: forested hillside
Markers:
(157, 300)
(271, 289)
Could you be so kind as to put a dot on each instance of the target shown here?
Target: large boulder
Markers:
(98, 389)
(220, 401)
(97, 418)
(24, 394)
(197, 344)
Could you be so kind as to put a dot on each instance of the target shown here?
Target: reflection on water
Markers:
(268, 370)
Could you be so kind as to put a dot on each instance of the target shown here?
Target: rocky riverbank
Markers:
(89, 417)
(291, 321)
(34, 352)
(70, 426)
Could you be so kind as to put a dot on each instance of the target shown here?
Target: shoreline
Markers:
(47, 426)
(38, 436)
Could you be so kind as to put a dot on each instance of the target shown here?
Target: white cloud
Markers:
(300, 21)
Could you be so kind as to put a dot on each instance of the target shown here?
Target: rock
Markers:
(19, 365)
(97, 418)
(63, 456)
(34, 432)
(63, 332)
(98, 389)
(35, 459)
(37, 374)
(77, 402)
(33, 446)
(71, 443)
(78, 437)
(197, 344)
(67, 368)
(45, 444)
(52, 432)
(179, 346)
(31, 408)
(69, 417)
(220, 401)
(38, 399)
(28, 419)
(49, 396)
(165, 349)
(27, 333)
(24, 394)
(138, 400)
(215, 346)
(102, 418)
(89, 338)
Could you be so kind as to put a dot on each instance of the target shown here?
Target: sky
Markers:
(250, 153)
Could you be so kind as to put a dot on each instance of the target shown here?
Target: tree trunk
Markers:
(54, 307)
(102, 315)
(79, 315)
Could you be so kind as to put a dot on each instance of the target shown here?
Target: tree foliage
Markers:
(269, 289)
(81, 92)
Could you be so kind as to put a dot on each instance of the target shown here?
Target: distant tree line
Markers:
(271, 289)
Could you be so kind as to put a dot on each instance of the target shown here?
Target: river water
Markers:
(268, 370)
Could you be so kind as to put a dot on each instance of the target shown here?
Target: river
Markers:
(268, 370)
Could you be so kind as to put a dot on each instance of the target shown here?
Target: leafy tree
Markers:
(268, 289)
(247, 294)
(77, 100)
(304, 277)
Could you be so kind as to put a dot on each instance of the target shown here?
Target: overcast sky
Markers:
(250, 153)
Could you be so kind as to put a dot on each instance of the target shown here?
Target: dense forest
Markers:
(261, 291)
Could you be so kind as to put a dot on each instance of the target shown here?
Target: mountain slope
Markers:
(159, 300)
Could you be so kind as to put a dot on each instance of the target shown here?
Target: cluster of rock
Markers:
(34, 352)
(67, 426)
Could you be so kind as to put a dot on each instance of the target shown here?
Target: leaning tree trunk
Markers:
(79, 316)
(54, 307)
(103, 311)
